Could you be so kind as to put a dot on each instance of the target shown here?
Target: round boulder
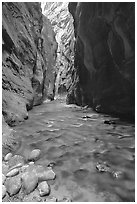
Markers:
(44, 188)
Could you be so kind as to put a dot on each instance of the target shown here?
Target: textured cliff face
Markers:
(62, 23)
(104, 56)
(29, 52)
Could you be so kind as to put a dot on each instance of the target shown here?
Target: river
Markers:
(76, 141)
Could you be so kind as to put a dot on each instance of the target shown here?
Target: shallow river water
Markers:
(76, 141)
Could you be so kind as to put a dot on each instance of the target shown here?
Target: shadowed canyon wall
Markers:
(62, 23)
(29, 56)
(104, 56)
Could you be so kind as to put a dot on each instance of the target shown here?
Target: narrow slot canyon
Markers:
(68, 102)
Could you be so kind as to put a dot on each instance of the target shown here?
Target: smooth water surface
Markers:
(75, 143)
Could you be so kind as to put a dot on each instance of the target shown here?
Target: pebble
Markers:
(31, 163)
(65, 199)
(32, 197)
(8, 157)
(44, 188)
(13, 172)
(3, 191)
(16, 161)
(5, 168)
(34, 155)
(51, 199)
(117, 174)
(3, 178)
(13, 185)
(29, 181)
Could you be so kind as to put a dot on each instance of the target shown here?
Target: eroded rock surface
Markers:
(28, 52)
(62, 23)
(104, 56)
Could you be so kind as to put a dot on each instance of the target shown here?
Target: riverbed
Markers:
(75, 140)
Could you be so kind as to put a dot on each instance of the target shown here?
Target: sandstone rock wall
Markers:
(28, 59)
(62, 23)
(104, 56)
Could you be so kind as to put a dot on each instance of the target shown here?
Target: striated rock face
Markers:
(29, 54)
(62, 23)
(104, 56)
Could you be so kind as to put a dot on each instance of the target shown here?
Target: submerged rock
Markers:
(8, 157)
(103, 168)
(44, 188)
(13, 185)
(34, 155)
(3, 191)
(29, 181)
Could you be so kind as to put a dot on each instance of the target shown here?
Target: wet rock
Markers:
(29, 181)
(117, 174)
(46, 175)
(31, 163)
(3, 191)
(103, 167)
(109, 122)
(3, 178)
(42, 173)
(44, 188)
(16, 161)
(51, 199)
(34, 155)
(8, 157)
(32, 197)
(24, 168)
(5, 168)
(65, 199)
(51, 164)
(13, 185)
(86, 117)
(13, 172)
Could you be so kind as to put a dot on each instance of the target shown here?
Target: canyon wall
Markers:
(62, 23)
(104, 65)
(28, 59)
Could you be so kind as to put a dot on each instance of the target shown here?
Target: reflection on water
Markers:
(75, 140)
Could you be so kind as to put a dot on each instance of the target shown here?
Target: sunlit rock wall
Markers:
(28, 58)
(62, 23)
(104, 56)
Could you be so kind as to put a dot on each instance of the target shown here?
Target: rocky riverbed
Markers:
(90, 156)
(23, 180)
